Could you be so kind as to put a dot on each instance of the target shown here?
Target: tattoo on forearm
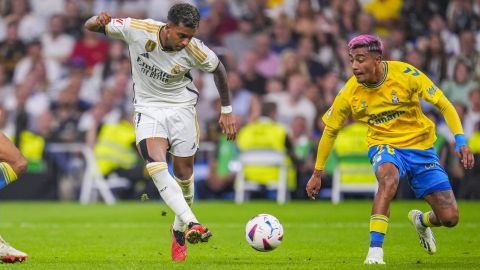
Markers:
(220, 78)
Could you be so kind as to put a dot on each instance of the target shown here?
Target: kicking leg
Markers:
(445, 213)
(183, 170)
(154, 151)
(388, 177)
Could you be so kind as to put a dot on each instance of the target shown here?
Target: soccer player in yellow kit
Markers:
(385, 95)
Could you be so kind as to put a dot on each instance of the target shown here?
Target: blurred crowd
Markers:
(59, 83)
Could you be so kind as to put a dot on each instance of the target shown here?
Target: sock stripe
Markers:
(156, 167)
(8, 173)
(378, 223)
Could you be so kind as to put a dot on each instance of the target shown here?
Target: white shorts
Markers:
(178, 125)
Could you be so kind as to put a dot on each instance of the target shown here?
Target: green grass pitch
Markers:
(318, 235)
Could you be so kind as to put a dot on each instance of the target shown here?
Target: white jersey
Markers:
(161, 79)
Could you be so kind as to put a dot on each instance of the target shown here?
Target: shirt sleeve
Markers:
(118, 28)
(431, 93)
(426, 89)
(203, 57)
(338, 113)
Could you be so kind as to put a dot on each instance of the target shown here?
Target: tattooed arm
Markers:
(227, 119)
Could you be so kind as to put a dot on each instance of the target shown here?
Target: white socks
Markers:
(188, 190)
(170, 192)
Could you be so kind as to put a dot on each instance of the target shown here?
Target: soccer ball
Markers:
(264, 232)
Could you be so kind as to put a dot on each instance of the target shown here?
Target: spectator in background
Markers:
(386, 14)
(116, 57)
(365, 23)
(294, 100)
(57, 46)
(253, 81)
(436, 26)
(246, 105)
(12, 49)
(73, 20)
(291, 64)
(6, 88)
(462, 83)
(30, 26)
(282, 36)
(436, 60)
(91, 50)
(349, 11)
(468, 54)
(397, 44)
(472, 117)
(33, 59)
(221, 21)
(460, 16)
(306, 53)
(329, 86)
(267, 60)
(239, 42)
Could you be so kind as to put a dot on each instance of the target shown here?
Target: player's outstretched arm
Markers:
(97, 23)
(453, 121)
(227, 119)
(324, 147)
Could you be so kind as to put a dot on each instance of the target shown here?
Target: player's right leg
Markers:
(9, 254)
(153, 151)
(386, 166)
(12, 162)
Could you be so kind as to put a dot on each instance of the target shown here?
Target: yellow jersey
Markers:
(391, 108)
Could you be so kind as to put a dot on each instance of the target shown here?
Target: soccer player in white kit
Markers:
(162, 55)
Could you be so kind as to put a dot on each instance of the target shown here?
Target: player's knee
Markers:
(451, 220)
(20, 166)
(184, 174)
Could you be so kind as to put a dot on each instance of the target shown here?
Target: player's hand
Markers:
(228, 124)
(314, 184)
(466, 157)
(103, 18)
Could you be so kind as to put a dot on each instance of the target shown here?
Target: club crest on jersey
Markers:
(395, 99)
(150, 45)
(364, 104)
(176, 69)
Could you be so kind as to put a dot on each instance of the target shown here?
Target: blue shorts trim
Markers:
(440, 187)
(420, 167)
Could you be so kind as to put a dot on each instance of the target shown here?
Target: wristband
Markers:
(226, 109)
(460, 140)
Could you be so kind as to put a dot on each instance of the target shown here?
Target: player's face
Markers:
(179, 36)
(364, 64)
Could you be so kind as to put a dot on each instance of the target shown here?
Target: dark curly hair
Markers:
(184, 14)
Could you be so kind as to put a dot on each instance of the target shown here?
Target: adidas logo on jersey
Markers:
(144, 55)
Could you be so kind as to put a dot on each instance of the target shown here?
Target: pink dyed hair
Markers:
(371, 42)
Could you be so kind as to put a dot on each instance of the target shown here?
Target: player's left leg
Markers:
(431, 183)
(183, 170)
(444, 213)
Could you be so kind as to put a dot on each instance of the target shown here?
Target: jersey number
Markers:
(390, 149)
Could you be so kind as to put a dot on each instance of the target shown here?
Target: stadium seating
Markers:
(261, 158)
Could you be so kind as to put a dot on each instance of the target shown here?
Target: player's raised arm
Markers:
(431, 93)
(98, 23)
(227, 120)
